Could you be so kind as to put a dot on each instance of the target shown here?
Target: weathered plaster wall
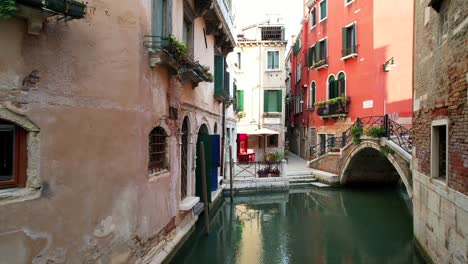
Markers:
(95, 103)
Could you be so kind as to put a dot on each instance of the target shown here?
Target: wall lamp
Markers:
(388, 64)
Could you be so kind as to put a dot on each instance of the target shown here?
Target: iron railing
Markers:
(252, 169)
(353, 49)
(333, 109)
(392, 131)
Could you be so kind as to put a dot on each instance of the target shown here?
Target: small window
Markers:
(273, 60)
(158, 160)
(313, 18)
(272, 141)
(349, 40)
(188, 34)
(272, 101)
(439, 150)
(341, 84)
(239, 60)
(312, 96)
(299, 71)
(160, 18)
(323, 10)
(13, 155)
(443, 21)
(321, 53)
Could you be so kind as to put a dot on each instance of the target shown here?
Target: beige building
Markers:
(259, 57)
(99, 126)
(440, 129)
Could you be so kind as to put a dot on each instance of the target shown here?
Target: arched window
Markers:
(312, 95)
(215, 128)
(158, 160)
(332, 87)
(342, 84)
(13, 155)
(184, 158)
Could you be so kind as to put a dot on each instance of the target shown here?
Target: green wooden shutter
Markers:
(219, 74)
(354, 38)
(344, 37)
(157, 18)
(240, 100)
(313, 95)
(325, 53)
(317, 52)
(310, 61)
(279, 101)
(265, 101)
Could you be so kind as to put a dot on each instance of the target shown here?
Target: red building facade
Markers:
(352, 58)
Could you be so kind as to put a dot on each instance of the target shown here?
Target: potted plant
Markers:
(263, 173)
(356, 132)
(7, 8)
(274, 172)
(275, 156)
(335, 149)
(286, 151)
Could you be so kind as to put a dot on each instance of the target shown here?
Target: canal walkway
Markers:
(297, 166)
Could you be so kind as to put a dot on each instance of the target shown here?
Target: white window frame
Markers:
(310, 14)
(266, 60)
(435, 154)
(352, 55)
(326, 53)
(320, 5)
(348, 3)
(298, 71)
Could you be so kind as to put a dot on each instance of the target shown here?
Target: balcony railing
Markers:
(71, 9)
(320, 63)
(334, 109)
(169, 51)
(348, 51)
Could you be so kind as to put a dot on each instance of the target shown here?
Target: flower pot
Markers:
(262, 175)
(274, 175)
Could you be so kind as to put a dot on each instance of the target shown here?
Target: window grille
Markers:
(272, 33)
(157, 150)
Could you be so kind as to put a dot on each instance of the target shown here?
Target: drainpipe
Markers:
(223, 125)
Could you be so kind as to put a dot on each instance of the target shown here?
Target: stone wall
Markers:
(440, 93)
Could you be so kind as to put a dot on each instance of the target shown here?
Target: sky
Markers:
(249, 12)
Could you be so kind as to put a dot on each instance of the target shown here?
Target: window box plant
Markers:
(263, 173)
(335, 149)
(274, 172)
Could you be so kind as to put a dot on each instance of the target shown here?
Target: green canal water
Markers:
(315, 226)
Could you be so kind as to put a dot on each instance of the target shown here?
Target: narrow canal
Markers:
(315, 226)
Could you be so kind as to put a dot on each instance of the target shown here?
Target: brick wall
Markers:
(440, 87)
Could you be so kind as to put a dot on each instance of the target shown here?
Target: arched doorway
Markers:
(184, 171)
(202, 136)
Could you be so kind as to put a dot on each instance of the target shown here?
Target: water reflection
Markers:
(318, 226)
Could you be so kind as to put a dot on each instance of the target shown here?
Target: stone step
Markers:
(302, 180)
(320, 185)
(301, 185)
(299, 173)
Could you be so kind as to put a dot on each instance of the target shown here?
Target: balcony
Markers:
(37, 11)
(333, 108)
(321, 63)
(173, 54)
(349, 52)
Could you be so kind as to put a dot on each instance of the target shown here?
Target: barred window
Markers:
(157, 150)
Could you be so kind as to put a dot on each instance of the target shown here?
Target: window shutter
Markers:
(240, 104)
(313, 96)
(311, 57)
(326, 51)
(317, 52)
(279, 101)
(219, 74)
(343, 34)
(265, 101)
(355, 38)
(157, 18)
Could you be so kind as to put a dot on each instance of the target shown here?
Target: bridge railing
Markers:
(392, 130)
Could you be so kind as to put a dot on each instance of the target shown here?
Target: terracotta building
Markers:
(350, 59)
(440, 125)
(101, 110)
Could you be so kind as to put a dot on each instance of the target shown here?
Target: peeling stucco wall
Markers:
(87, 86)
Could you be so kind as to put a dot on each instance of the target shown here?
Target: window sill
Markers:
(322, 67)
(352, 55)
(439, 181)
(188, 203)
(349, 3)
(322, 20)
(158, 175)
(273, 70)
(13, 195)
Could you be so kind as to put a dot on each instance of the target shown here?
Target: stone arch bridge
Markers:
(374, 150)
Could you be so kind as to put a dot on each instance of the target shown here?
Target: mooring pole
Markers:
(204, 187)
(230, 170)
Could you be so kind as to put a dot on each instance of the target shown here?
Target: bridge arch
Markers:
(355, 162)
